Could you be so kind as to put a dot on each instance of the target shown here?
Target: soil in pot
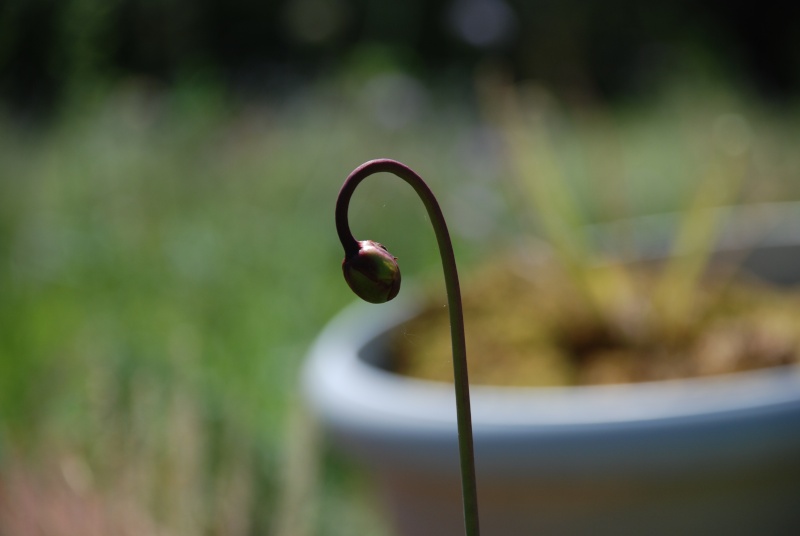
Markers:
(529, 324)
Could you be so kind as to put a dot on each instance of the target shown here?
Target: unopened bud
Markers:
(372, 273)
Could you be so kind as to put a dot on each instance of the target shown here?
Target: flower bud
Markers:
(372, 273)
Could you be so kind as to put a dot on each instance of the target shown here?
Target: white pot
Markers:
(703, 456)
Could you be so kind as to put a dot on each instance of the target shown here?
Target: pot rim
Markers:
(357, 332)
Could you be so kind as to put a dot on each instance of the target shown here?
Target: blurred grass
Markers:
(167, 257)
(166, 261)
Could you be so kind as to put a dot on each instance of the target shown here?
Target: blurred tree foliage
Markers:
(51, 50)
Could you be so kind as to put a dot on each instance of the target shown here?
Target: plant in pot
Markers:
(658, 393)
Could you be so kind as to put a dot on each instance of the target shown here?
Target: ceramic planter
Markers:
(716, 455)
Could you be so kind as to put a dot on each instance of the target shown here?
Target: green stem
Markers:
(350, 244)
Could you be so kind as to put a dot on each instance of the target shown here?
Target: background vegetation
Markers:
(167, 178)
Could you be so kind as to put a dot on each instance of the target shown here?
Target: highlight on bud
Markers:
(372, 273)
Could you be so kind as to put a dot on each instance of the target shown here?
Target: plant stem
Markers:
(350, 244)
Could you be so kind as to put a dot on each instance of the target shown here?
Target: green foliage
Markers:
(165, 260)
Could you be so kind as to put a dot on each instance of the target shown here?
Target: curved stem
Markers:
(350, 244)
